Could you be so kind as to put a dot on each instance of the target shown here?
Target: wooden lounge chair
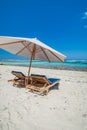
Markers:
(38, 83)
(19, 78)
(41, 84)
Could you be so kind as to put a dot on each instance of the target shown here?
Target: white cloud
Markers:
(85, 13)
(84, 20)
(84, 16)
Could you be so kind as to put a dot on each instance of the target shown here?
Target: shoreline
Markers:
(73, 65)
(52, 67)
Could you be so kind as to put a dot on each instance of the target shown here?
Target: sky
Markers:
(61, 24)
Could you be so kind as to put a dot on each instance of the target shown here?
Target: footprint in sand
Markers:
(84, 115)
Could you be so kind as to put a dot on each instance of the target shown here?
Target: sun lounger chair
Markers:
(41, 84)
(19, 78)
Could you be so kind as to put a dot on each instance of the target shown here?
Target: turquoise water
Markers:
(71, 65)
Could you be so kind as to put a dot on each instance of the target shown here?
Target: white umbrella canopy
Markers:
(31, 48)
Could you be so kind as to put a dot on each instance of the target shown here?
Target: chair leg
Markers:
(44, 92)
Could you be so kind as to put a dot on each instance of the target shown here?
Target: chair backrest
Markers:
(40, 78)
(20, 75)
(53, 80)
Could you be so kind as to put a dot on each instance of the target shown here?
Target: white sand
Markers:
(63, 109)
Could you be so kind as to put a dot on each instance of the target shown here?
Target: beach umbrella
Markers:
(30, 48)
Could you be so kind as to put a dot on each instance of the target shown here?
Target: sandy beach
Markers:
(62, 109)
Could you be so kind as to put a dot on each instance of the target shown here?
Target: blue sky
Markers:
(61, 24)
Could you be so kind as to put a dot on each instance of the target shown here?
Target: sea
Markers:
(78, 65)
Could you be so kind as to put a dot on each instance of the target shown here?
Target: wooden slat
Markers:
(40, 79)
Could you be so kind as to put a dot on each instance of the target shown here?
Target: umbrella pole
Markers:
(26, 80)
(32, 54)
(30, 65)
